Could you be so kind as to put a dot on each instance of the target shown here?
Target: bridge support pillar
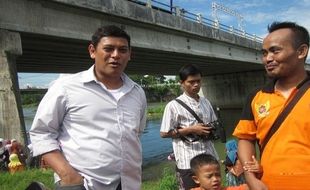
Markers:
(228, 92)
(12, 123)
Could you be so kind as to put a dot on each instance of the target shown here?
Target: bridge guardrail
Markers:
(175, 10)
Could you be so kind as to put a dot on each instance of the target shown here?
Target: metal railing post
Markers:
(149, 3)
(231, 29)
(199, 18)
(216, 24)
(177, 11)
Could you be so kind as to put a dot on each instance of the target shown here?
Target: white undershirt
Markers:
(117, 93)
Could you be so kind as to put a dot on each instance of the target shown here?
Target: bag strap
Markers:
(303, 87)
(189, 109)
(189, 138)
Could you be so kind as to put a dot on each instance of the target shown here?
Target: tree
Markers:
(157, 88)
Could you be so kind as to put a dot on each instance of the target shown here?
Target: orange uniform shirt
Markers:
(286, 158)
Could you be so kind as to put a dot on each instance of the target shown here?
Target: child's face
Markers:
(209, 177)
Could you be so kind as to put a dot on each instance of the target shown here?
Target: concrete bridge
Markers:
(53, 35)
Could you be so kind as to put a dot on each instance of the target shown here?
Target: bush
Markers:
(31, 98)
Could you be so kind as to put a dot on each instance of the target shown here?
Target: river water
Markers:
(155, 149)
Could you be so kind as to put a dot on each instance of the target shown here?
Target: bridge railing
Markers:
(197, 18)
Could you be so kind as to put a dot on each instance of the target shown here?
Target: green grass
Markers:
(157, 177)
(21, 180)
(155, 110)
(167, 182)
(154, 177)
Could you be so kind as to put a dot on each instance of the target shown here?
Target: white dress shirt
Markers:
(175, 115)
(98, 135)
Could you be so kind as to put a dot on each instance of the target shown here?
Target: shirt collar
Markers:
(269, 88)
(89, 76)
(190, 98)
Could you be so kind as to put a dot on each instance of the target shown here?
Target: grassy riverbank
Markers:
(159, 176)
(155, 110)
(156, 177)
(20, 180)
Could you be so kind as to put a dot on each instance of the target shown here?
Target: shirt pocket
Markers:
(131, 119)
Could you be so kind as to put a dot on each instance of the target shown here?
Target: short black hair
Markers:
(301, 34)
(109, 30)
(188, 70)
(201, 160)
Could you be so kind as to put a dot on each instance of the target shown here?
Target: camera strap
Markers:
(302, 88)
(189, 109)
(193, 137)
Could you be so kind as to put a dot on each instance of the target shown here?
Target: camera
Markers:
(217, 131)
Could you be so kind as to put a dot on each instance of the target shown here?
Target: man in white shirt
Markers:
(189, 137)
(87, 126)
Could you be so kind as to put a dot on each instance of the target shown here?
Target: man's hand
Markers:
(200, 129)
(68, 175)
(71, 178)
(197, 129)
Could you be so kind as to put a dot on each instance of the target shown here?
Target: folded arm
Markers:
(197, 129)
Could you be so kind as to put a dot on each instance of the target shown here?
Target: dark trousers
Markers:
(185, 179)
(69, 187)
(119, 187)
